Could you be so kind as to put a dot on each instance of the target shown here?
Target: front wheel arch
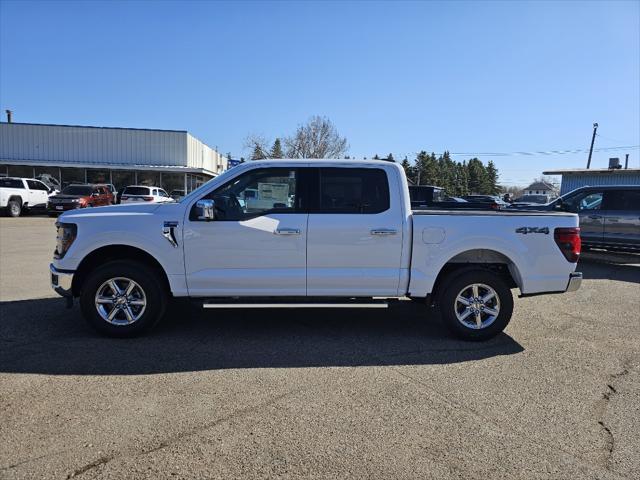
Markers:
(102, 255)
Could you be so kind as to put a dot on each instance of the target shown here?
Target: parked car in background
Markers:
(19, 195)
(494, 200)
(177, 194)
(142, 193)
(430, 197)
(79, 196)
(609, 215)
(531, 200)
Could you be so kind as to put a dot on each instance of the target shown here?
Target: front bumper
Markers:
(62, 207)
(61, 281)
(575, 280)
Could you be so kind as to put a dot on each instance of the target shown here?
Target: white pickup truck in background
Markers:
(324, 234)
(22, 194)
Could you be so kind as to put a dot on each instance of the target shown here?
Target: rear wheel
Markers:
(14, 208)
(123, 299)
(476, 304)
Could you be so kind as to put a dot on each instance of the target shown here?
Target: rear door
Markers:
(38, 193)
(354, 233)
(622, 217)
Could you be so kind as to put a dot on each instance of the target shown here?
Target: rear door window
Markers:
(353, 190)
(622, 200)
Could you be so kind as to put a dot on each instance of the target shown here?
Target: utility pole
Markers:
(593, 139)
(626, 161)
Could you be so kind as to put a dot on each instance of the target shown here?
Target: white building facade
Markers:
(171, 159)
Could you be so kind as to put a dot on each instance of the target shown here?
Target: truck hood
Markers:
(121, 211)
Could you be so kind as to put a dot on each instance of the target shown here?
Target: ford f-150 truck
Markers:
(325, 234)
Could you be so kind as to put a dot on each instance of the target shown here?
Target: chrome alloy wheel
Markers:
(120, 301)
(477, 306)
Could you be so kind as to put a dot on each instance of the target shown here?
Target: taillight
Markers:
(147, 199)
(568, 240)
(124, 197)
(495, 206)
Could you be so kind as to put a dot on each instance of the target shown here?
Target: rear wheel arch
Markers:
(477, 259)
(109, 253)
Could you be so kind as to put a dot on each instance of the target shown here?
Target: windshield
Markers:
(136, 191)
(77, 190)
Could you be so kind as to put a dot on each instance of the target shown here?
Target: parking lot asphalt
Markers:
(317, 394)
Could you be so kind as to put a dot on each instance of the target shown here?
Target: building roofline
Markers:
(93, 126)
(591, 170)
(110, 166)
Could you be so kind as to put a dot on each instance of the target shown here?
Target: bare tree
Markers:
(318, 138)
(257, 145)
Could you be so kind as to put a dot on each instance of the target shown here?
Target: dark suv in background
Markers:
(609, 215)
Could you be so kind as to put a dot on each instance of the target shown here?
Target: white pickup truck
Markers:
(337, 234)
(21, 194)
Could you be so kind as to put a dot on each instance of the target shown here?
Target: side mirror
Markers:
(206, 210)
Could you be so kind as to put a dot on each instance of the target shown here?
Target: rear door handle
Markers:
(287, 231)
(595, 217)
(383, 231)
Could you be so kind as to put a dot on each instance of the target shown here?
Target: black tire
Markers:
(460, 283)
(148, 280)
(14, 208)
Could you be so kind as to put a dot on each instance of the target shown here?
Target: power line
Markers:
(545, 152)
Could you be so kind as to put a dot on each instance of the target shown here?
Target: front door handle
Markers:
(595, 217)
(384, 231)
(287, 231)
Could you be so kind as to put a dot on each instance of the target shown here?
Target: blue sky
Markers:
(393, 76)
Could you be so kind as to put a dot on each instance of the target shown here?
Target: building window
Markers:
(72, 175)
(150, 179)
(20, 171)
(172, 181)
(3, 170)
(98, 176)
(123, 178)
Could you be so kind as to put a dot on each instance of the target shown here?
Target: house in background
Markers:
(541, 188)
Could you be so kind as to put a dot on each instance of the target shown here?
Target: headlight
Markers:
(66, 235)
(76, 200)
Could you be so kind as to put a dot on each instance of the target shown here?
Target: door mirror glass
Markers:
(206, 210)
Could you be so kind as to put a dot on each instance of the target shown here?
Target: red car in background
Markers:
(80, 196)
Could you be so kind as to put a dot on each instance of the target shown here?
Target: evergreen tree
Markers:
(376, 157)
(276, 150)
(257, 154)
(389, 158)
(492, 178)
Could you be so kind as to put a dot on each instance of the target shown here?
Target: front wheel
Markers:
(476, 304)
(123, 299)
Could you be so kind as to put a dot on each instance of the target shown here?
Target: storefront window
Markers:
(98, 176)
(172, 181)
(3, 170)
(50, 176)
(151, 179)
(20, 171)
(72, 175)
(123, 178)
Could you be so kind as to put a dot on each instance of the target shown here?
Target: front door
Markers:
(589, 207)
(256, 246)
(355, 234)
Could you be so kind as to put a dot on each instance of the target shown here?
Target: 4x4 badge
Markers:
(526, 230)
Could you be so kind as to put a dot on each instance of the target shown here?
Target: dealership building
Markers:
(171, 159)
